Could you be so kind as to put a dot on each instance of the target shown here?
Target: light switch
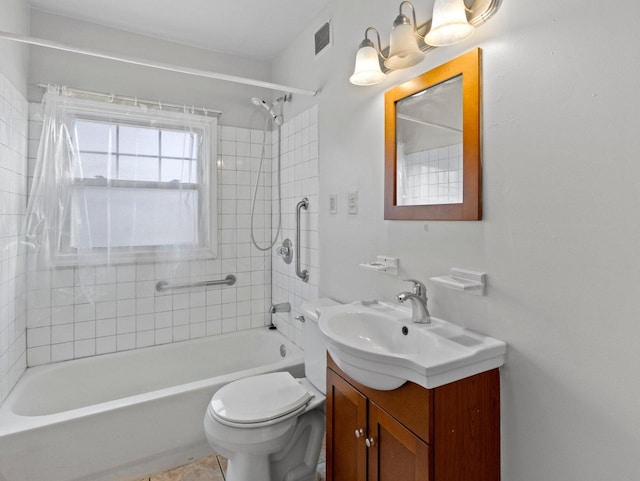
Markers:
(352, 202)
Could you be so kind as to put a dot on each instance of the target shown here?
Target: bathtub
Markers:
(125, 415)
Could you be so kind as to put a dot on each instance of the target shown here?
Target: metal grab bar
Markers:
(304, 275)
(164, 286)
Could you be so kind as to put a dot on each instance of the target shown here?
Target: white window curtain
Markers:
(120, 184)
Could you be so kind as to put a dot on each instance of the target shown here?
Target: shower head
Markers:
(277, 118)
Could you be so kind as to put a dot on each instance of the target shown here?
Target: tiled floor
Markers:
(206, 469)
(212, 468)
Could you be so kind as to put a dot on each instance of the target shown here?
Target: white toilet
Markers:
(270, 427)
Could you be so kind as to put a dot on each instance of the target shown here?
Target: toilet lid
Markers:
(258, 399)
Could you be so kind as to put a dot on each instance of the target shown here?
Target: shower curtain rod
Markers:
(134, 100)
(157, 65)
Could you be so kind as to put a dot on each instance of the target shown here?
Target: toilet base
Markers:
(296, 461)
(245, 467)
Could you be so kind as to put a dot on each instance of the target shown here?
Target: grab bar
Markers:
(303, 204)
(163, 286)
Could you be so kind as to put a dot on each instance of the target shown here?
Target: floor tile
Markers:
(322, 471)
(223, 463)
(323, 452)
(212, 468)
(206, 469)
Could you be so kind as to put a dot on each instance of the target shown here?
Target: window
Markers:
(139, 186)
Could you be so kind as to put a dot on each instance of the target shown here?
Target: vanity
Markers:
(449, 433)
(443, 425)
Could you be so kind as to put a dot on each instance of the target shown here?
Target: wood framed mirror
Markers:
(433, 166)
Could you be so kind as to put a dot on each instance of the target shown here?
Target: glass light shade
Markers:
(403, 48)
(367, 70)
(449, 23)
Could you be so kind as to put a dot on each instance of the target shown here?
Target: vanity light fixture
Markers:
(453, 21)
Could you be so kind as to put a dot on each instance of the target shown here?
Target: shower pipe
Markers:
(164, 286)
(134, 100)
(157, 65)
(303, 204)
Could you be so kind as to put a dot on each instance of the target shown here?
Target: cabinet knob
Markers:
(369, 442)
(359, 433)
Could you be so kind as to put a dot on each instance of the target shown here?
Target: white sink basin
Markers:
(378, 346)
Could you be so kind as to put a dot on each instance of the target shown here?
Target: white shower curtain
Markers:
(120, 184)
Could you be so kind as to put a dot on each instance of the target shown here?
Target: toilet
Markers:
(271, 427)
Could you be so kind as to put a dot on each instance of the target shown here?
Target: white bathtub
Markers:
(121, 416)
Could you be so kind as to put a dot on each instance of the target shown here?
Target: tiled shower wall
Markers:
(13, 193)
(300, 179)
(128, 312)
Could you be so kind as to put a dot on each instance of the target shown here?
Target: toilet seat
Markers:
(258, 401)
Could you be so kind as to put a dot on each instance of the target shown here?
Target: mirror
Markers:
(432, 144)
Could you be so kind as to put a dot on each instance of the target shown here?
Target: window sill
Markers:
(133, 257)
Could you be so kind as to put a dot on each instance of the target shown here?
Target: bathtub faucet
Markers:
(282, 307)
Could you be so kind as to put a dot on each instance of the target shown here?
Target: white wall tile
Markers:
(164, 335)
(62, 333)
(125, 342)
(61, 352)
(300, 179)
(145, 339)
(84, 348)
(106, 327)
(39, 355)
(13, 192)
(105, 345)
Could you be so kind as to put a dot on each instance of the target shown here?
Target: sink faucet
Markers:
(418, 300)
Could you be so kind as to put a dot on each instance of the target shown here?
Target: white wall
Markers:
(14, 57)
(560, 232)
(52, 66)
(13, 190)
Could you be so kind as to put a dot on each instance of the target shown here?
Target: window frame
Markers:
(206, 127)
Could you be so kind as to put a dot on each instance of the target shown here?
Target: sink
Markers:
(377, 345)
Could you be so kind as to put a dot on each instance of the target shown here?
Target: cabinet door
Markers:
(346, 414)
(396, 453)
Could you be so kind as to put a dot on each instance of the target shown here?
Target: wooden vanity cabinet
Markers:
(450, 433)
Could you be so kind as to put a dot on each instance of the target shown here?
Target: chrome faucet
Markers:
(418, 300)
(282, 307)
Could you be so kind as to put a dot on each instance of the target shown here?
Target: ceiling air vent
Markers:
(323, 38)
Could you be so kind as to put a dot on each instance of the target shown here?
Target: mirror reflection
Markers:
(429, 146)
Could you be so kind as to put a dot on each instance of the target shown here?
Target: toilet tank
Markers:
(315, 354)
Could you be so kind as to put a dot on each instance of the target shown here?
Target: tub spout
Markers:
(282, 307)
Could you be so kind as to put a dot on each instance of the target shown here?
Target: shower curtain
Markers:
(118, 184)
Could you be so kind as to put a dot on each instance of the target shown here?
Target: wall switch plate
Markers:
(352, 202)
(333, 204)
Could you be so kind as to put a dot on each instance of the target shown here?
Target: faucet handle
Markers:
(419, 289)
